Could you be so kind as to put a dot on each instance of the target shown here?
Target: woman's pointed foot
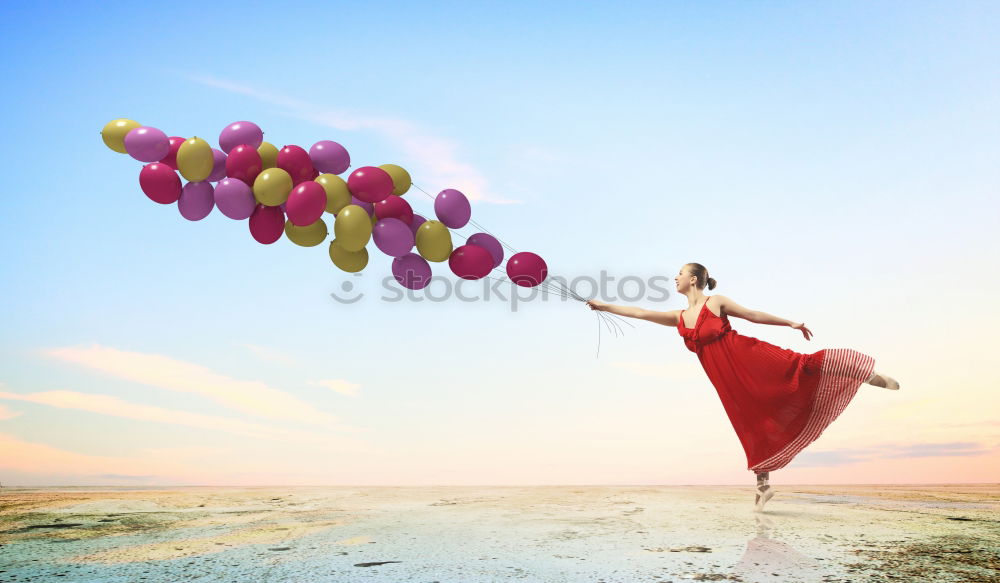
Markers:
(885, 381)
(764, 493)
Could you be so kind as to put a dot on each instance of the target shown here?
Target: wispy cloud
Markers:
(6, 413)
(917, 450)
(338, 385)
(130, 477)
(271, 354)
(115, 407)
(957, 448)
(43, 459)
(435, 159)
(156, 370)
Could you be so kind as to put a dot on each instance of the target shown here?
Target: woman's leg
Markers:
(762, 481)
(762, 488)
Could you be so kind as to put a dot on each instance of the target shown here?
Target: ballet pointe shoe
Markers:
(762, 497)
(885, 381)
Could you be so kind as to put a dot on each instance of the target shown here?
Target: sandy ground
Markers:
(601, 534)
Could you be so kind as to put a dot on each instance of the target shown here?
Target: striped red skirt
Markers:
(778, 400)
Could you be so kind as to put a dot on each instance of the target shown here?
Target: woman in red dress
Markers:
(778, 401)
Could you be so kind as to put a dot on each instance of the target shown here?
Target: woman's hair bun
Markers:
(701, 272)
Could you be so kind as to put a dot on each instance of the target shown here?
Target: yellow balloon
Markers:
(400, 178)
(307, 236)
(352, 228)
(374, 219)
(114, 132)
(268, 155)
(349, 261)
(434, 241)
(195, 160)
(272, 186)
(337, 195)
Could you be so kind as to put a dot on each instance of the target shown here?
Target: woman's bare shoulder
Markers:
(728, 306)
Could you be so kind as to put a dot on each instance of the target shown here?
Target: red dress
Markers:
(779, 401)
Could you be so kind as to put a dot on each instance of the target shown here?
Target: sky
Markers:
(833, 163)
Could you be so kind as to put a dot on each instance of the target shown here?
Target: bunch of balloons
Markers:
(287, 191)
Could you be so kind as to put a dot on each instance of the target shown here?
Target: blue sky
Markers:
(833, 163)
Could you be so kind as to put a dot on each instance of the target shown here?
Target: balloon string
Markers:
(473, 222)
(551, 286)
(598, 336)
(544, 290)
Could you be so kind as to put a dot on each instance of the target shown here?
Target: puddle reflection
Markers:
(767, 557)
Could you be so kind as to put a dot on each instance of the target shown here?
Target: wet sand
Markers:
(451, 534)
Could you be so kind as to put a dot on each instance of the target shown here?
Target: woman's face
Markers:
(684, 280)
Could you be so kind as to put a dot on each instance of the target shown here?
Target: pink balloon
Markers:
(240, 132)
(370, 184)
(526, 269)
(295, 161)
(470, 262)
(267, 223)
(244, 163)
(147, 144)
(197, 200)
(452, 208)
(490, 243)
(393, 237)
(411, 271)
(171, 158)
(369, 207)
(394, 207)
(234, 199)
(329, 157)
(160, 183)
(219, 168)
(306, 203)
(415, 224)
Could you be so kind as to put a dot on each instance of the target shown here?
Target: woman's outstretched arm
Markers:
(759, 317)
(664, 318)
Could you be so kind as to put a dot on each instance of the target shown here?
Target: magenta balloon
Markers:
(416, 222)
(329, 157)
(197, 200)
(295, 161)
(470, 262)
(411, 271)
(240, 132)
(160, 183)
(244, 163)
(490, 243)
(370, 184)
(147, 144)
(219, 169)
(393, 237)
(394, 207)
(526, 269)
(267, 223)
(306, 203)
(452, 208)
(369, 207)
(235, 199)
(171, 158)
